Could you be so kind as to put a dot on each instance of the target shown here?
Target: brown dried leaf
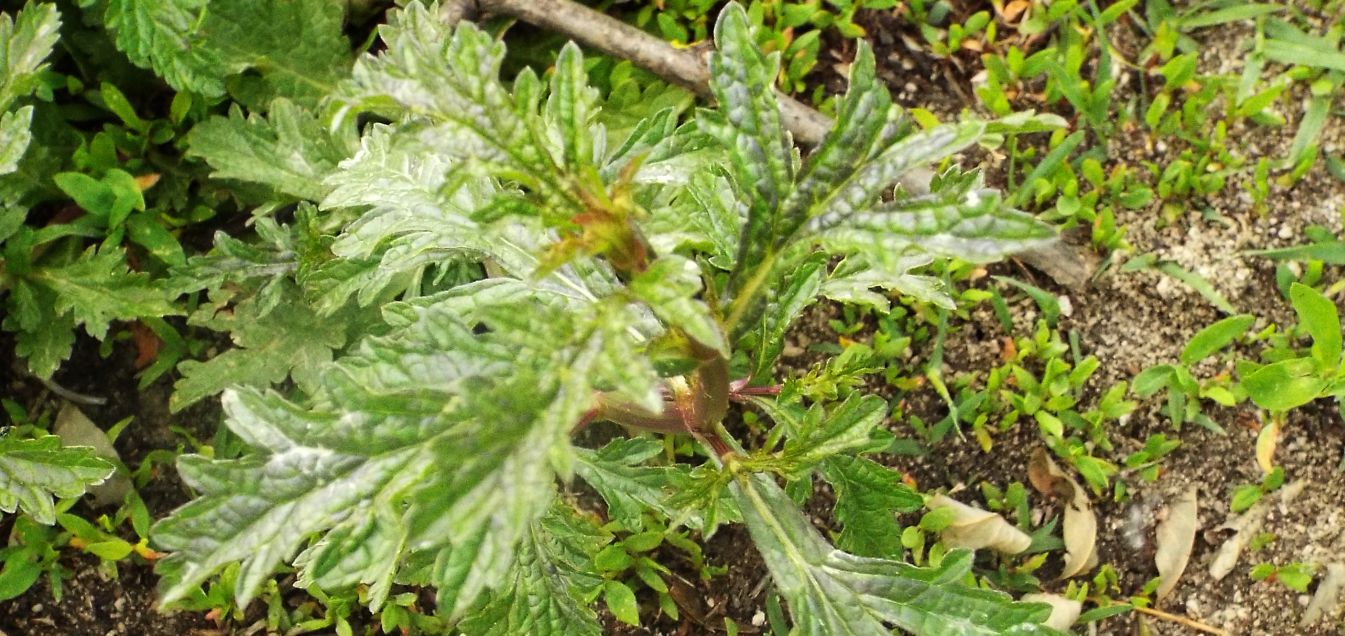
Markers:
(1176, 536)
(1064, 611)
(1247, 525)
(974, 528)
(1080, 526)
(1326, 601)
(1266, 441)
(1014, 9)
(76, 429)
(1041, 475)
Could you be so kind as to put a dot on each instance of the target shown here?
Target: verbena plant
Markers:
(518, 275)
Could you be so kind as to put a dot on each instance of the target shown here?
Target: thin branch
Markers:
(68, 395)
(453, 11)
(685, 67)
(1182, 620)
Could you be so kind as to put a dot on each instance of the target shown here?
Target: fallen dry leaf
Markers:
(974, 528)
(76, 429)
(147, 181)
(1014, 9)
(1266, 441)
(1176, 536)
(1080, 525)
(1064, 611)
(147, 344)
(1246, 526)
(1326, 601)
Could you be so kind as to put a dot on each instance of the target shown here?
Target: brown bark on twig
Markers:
(690, 69)
(684, 67)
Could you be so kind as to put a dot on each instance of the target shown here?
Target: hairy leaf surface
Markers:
(544, 591)
(838, 202)
(269, 346)
(450, 79)
(866, 121)
(92, 291)
(743, 81)
(400, 424)
(669, 287)
(868, 498)
(295, 47)
(833, 592)
(34, 470)
(164, 35)
(288, 151)
(630, 488)
(25, 42)
(14, 138)
(972, 225)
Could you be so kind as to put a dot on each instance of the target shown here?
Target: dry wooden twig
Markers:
(1181, 620)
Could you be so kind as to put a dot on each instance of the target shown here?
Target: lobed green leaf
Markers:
(25, 42)
(742, 79)
(553, 574)
(833, 592)
(32, 471)
(289, 151)
(868, 498)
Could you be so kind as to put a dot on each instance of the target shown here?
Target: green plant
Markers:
(31, 550)
(34, 469)
(1295, 576)
(1293, 379)
(530, 280)
(1181, 112)
(1146, 460)
(1246, 495)
(1184, 392)
(1038, 383)
(794, 29)
(54, 284)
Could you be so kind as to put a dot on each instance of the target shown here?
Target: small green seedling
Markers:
(1299, 379)
(1246, 495)
(1146, 461)
(1295, 576)
(1184, 392)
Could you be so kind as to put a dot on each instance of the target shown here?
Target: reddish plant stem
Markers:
(739, 391)
(671, 420)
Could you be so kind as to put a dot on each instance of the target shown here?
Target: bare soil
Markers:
(93, 603)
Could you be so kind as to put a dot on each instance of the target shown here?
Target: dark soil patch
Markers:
(92, 601)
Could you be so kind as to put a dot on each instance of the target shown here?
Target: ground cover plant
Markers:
(595, 258)
(398, 317)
